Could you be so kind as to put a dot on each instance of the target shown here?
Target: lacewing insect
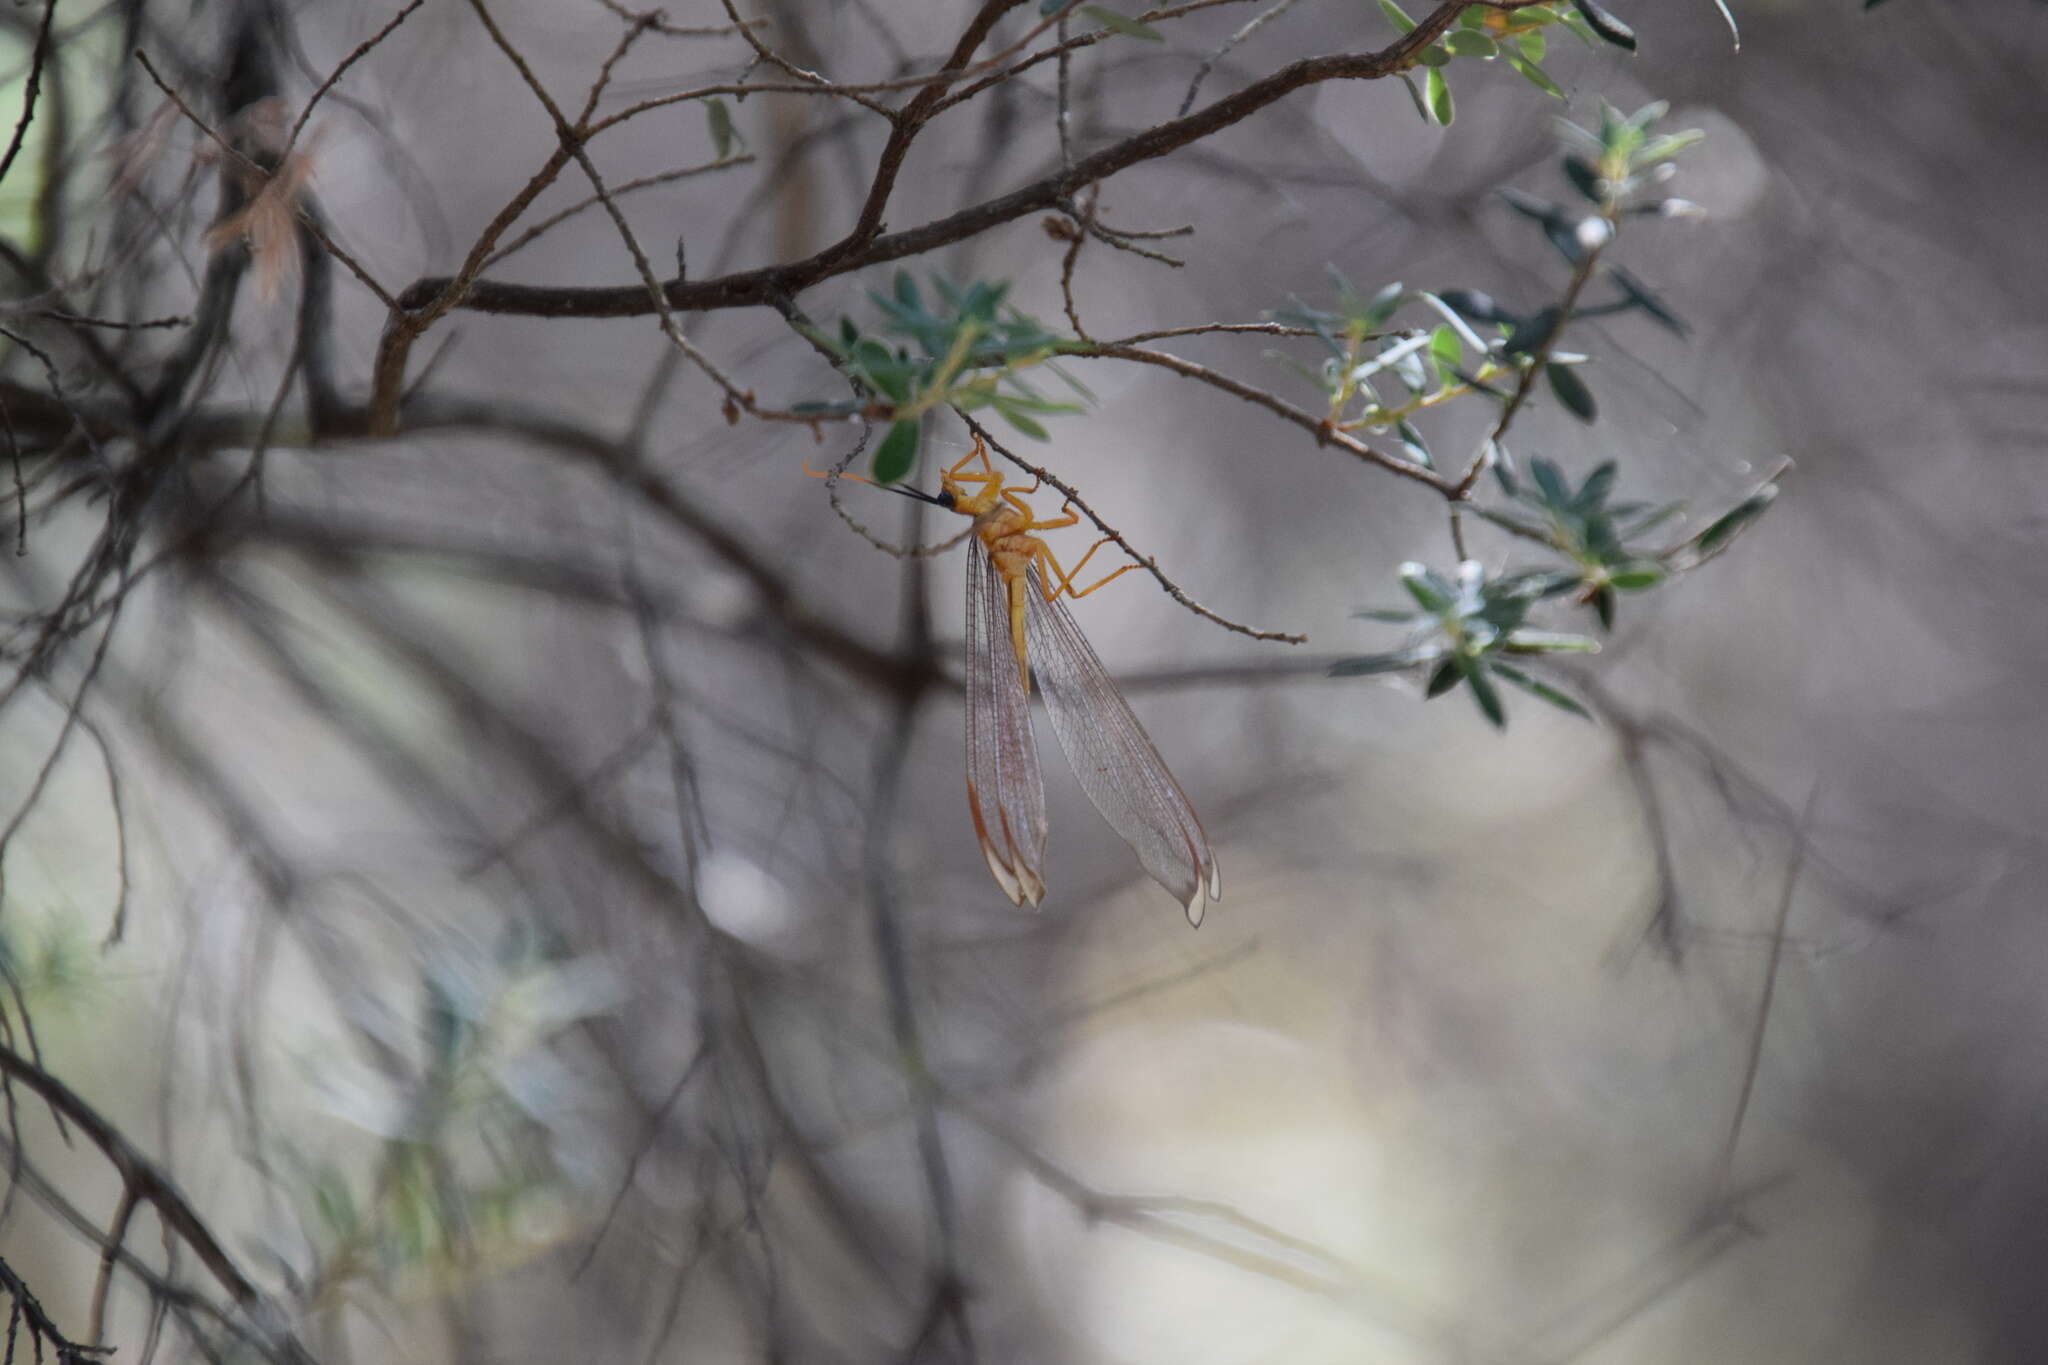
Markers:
(1018, 628)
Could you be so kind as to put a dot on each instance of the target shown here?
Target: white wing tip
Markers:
(1205, 890)
(1020, 884)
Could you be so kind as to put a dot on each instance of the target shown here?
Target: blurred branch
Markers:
(141, 1179)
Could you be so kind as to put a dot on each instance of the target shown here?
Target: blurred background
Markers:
(513, 876)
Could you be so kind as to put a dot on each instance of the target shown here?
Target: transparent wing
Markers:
(1114, 760)
(1005, 792)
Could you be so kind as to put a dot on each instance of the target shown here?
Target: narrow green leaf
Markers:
(1485, 694)
(1549, 642)
(1014, 414)
(1466, 42)
(1445, 346)
(906, 292)
(1382, 306)
(1412, 441)
(1732, 523)
(1639, 294)
(1438, 92)
(1550, 482)
(1735, 30)
(1397, 16)
(1130, 28)
(1428, 588)
(1393, 616)
(1533, 45)
(1668, 146)
(897, 453)
(1504, 471)
(1598, 485)
(719, 115)
(1606, 25)
(1571, 391)
(1536, 687)
(1603, 607)
(1638, 576)
(1421, 108)
(1535, 75)
(1443, 680)
(1585, 179)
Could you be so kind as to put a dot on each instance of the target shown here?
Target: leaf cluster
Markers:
(1468, 622)
(968, 351)
(1469, 628)
(1482, 34)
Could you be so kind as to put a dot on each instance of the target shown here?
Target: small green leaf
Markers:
(1130, 28)
(1445, 346)
(1584, 178)
(1735, 30)
(883, 370)
(1382, 306)
(1443, 680)
(719, 115)
(1550, 482)
(1535, 75)
(1438, 92)
(1533, 45)
(1397, 16)
(1433, 56)
(1598, 485)
(1415, 94)
(1571, 391)
(1412, 441)
(1606, 25)
(1014, 414)
(1730, 524)
(1603, 607)
(896, 454)
(1428, 588)
(1466, 42)
(1668, 146)
(1484, 693)
(1393, 616)
(1536, 687)
(906, 292)
(1638, 576)
(1549, 642)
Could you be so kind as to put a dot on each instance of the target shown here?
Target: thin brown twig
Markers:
(38, 59)
(1146, 562)
(113, 324)
(753, 288)
(362, 50)
(149, 1184)
(103, 1282)
(1323, 431)
(554, 220)
(635, 30)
